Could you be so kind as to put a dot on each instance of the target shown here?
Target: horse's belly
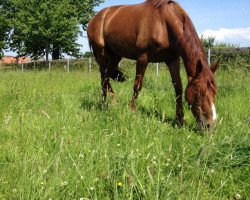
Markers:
(130, 32)
(127, 44)
(162, 55)
(123, 48)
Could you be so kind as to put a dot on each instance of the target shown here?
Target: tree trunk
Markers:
(47, 52)
(56, 52)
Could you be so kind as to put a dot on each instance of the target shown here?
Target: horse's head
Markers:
(200, 95)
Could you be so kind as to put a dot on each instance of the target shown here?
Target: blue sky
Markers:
(210, 14)
(226, 20)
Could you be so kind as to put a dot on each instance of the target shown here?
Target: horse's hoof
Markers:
(132, 106)
(113, 101)
(181, 121)
(104, 105)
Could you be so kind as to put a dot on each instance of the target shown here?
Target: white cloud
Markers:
(239, 36)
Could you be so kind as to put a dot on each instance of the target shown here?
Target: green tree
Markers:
(5, 15)
(88, 54)
(210, 42)
(84, 10)
(40, 27)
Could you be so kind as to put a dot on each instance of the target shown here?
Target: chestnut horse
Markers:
(155, 31)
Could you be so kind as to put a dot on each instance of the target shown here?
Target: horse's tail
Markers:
(91, 50)
(116, 74)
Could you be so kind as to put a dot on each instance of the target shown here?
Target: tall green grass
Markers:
(58, 143)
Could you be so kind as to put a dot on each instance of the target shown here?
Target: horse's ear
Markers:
(215, 66)
(199, 68)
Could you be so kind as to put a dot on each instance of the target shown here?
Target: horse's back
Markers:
(131, 30)
(96, 25)
(128, 29)
(108, 19)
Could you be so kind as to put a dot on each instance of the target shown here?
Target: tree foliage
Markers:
(84, 10)
(40, 27)
(5, 15)
(88, 54)
(210, 42)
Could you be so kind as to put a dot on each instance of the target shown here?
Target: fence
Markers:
(66, 64)
(88, 64)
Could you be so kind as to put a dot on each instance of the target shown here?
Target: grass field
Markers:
(58, 143)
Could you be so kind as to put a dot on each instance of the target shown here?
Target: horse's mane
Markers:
(195, 48)
(191, 42)
(158, 3)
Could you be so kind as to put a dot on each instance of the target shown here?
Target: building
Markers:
(14, 60)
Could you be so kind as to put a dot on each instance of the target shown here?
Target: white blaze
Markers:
(214, 112)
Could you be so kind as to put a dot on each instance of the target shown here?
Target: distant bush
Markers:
(232, 57)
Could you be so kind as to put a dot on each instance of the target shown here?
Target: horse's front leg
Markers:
(141, 66)
(174, 68)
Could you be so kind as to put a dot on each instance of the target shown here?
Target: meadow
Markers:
(57, 142)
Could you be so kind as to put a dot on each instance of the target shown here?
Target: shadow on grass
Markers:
(158, 115)
(89, 105)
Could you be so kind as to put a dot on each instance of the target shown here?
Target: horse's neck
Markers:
(191, 52)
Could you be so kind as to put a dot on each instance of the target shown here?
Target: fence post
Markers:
(68, 65)
(90, 64)
(209, 57)
(49, 66)
(157, 70)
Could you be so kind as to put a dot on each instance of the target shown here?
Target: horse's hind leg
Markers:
(103, 66)
(108, 62)
(112, 71)
(174, 68)
(106, 86)
(113, 68)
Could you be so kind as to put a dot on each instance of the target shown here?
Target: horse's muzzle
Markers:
(206, 126)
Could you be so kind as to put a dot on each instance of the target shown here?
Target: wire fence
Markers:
(65, 64)
(89, 64)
